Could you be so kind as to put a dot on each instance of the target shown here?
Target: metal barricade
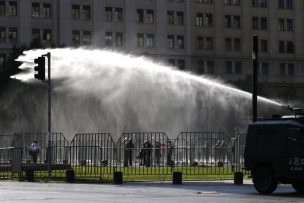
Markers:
(38, 161)
(5, 156)
(203, 153)
(92, 155)
(238, 153)
(144, 153)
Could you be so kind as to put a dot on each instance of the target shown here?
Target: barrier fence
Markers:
(92, 155)
(97, 156)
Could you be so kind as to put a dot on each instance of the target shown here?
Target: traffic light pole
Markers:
(49, 147)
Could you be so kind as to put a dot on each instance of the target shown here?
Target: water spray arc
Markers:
(125, 93)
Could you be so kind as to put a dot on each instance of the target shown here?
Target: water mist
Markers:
(104, 91)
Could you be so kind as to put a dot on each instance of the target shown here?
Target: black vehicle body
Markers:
(274, 152)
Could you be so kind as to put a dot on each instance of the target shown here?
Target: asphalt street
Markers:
(204, 191)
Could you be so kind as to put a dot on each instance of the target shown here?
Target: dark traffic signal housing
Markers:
(40, 68)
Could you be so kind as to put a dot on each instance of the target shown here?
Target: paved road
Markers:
(218, 192)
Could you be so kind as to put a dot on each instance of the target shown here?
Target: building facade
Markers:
(210, 37)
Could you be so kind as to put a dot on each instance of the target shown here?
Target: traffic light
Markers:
(40, 68)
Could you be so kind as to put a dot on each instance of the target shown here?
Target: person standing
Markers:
(147, 153)
(128, 153)
(34, 151)
(157, 152)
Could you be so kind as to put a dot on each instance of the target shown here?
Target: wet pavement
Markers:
(198, 191)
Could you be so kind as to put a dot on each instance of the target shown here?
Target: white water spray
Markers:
(98, 90)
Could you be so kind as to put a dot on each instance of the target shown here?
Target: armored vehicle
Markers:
(274, 153)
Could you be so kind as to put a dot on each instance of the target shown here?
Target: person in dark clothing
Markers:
(170, 148)
(157, 152)
(147, 153)
(128, 153)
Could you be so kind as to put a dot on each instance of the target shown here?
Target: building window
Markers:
(259, 3)
(209, 21)
(285, 4)
(201, 67)
(179, 18)
(149, 17)
(290, 69)
(180, 42)
(199, 19)
(140, 40)
(86, 13)
(237, 44)
(290, 47)
(286, 47)
(119, 39)
(108, 14)
(203, 1)
(289, 4)
(287, 69)
(228, 44)
(109, 39)
(264, 47)
(35, 10)
(12, 34)
(281, 4)
(255, 23)
(171, 62)
(264, 69)
(229, 67)
(232, 2)
(86, 38)
(35, 34)
(150, 40)
(281, 24)
(238, 67)
(12, 8)
(46, 11)
(170, 41)
(2, 8)
(118, 15)
(140, 16)
(47, 36)
(228, 21)
(76, 37)
(181, 64)
(2, 34)
(263, 23)
(76, 12)
(209, 43)
(170, 17)
(200, 42)
(236, 22)
(259, 23)
(289, 25)
(281, 47)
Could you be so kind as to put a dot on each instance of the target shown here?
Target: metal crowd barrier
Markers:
(144, 153)
(97, 156)
(92, 155)
(203, 153)
(238, 153)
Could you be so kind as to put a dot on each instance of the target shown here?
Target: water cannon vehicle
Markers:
(274, 152)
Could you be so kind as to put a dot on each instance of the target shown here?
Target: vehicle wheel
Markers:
(263, 180)
(298, 186)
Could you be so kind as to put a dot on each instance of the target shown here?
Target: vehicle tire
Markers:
(263, 180)
(298, 186)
